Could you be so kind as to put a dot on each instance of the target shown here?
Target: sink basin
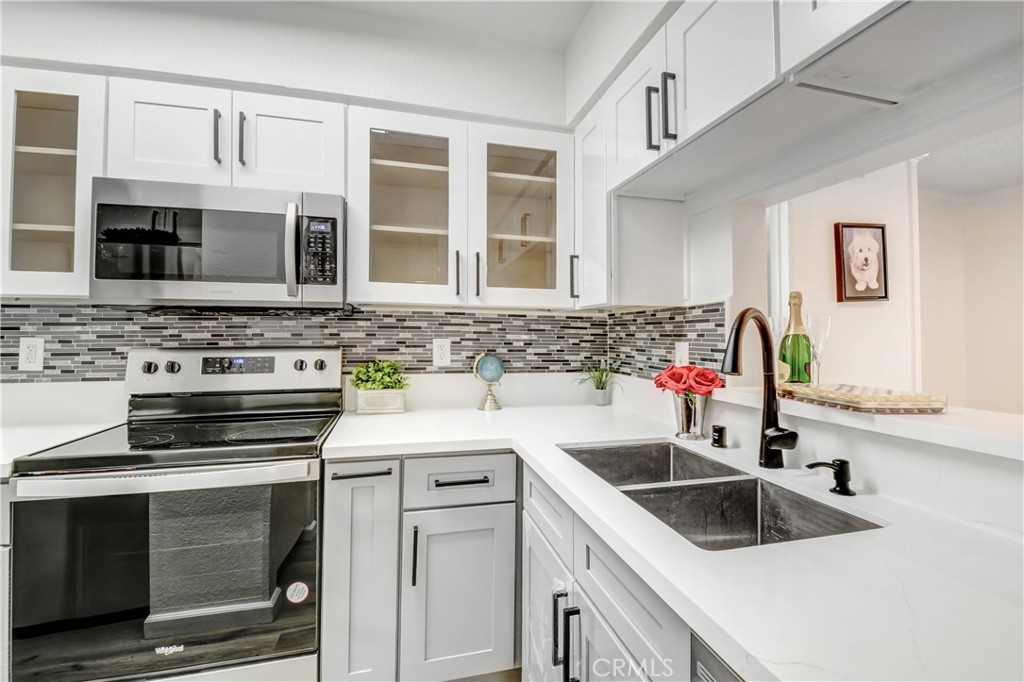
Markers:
(628, 464)
(742, 513)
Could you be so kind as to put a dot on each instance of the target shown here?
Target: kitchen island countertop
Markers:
(924, 597)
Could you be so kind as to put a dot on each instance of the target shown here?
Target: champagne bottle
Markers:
(795, 349)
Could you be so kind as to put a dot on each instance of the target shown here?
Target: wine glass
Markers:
(777, 325)
(818, 328)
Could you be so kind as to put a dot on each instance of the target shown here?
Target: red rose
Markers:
(674, 378)
(703, 381)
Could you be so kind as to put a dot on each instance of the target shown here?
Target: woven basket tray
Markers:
(864, 399)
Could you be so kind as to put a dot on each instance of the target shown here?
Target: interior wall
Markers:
(324, 48)
(943, 298)
(872, 343)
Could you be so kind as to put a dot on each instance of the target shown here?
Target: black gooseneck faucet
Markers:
(774, 438)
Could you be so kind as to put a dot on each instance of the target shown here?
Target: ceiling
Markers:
(548, 25)
(976, 167)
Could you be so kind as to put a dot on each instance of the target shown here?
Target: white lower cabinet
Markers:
(601, 655)
(547, 592)
(360, 571)
(458, 592)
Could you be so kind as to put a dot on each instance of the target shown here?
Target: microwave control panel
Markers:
(320, 251)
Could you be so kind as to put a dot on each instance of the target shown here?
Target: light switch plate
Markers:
(682, 354)
(442, 352)
(30, 354)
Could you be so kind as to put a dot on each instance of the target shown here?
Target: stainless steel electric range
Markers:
(185, 538)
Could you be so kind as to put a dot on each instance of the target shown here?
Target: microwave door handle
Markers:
(291, 261)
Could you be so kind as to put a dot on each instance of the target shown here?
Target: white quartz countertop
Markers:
(925, 597)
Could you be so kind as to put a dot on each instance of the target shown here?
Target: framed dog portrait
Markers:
(862, 269)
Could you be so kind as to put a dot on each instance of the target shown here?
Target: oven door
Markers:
(194, 244)
(115, 576)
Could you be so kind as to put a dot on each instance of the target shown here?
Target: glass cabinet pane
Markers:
(43, 186)
(521, 217)
(408, 208)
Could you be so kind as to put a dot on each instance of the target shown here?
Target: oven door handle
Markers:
(133, 483)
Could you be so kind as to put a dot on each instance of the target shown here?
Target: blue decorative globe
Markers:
(490, 368)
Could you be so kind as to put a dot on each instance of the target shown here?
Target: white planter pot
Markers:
(389, 401)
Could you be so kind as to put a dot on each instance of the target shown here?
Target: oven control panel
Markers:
(320, 251)
(261, 364)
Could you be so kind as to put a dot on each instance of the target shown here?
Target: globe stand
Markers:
(490, 402)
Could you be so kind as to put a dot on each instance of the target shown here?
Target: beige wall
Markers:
(872, 343)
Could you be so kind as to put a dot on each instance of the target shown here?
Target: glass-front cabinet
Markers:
(521, 229)
(407, 208)
(53, 147)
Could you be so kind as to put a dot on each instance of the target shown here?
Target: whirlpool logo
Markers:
(168, 650)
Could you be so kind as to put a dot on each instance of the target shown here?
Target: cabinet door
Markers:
(458, 592)
(590, 284)
(360, 571)
(807, 27)
(170, 132)
(600, 654)
(520, 212)
(634, 130)
(407, 203)
(722, 53)
(288, 143)
(52, 149)
(547, 588)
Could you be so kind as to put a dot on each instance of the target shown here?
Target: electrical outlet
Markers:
(30, 355)
(682, 355)
(442, 352)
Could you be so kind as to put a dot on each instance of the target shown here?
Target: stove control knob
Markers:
(320, 365)
(150, 367)
(300, 365)
(172, 367)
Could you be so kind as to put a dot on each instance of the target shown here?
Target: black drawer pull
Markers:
(438, 483)
(556, 658)
(365, 474)
(415, 552)
(648, 112)
(567, 616)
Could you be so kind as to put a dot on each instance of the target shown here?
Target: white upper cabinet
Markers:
(633, 104)
(590, 283)
(288, 143)
(209, 136)
(721, 54)
(407, 203)
(170, 132)
(52, 149)
(520, 217)
(806, 27)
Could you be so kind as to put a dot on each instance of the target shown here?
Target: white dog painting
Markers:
(863, 260)
(861, 269)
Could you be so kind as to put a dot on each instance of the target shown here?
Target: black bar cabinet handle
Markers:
(666, 76)
(556, 659)
(365, 474)
(567, 614)
(216, 135)
(651, 90)
(573, 260)
(415, 551)
(478, 273)
(458, 273)
(241, 137)
(438, 483)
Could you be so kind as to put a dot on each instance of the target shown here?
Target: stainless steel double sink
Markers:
(711, 504)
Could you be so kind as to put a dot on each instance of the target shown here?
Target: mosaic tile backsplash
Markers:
(90, 343)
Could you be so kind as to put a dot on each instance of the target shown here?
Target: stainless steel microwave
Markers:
(200, 245)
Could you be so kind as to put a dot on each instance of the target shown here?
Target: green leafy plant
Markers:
(379, 375)
(600, 374)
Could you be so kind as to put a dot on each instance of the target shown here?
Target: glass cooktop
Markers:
(155, 444)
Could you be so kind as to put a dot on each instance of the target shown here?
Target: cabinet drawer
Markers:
(459, 480)
(651, 631)
(706, 666)
(550, 513)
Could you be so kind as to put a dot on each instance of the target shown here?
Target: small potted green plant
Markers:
(600, 376)
(380, 387)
